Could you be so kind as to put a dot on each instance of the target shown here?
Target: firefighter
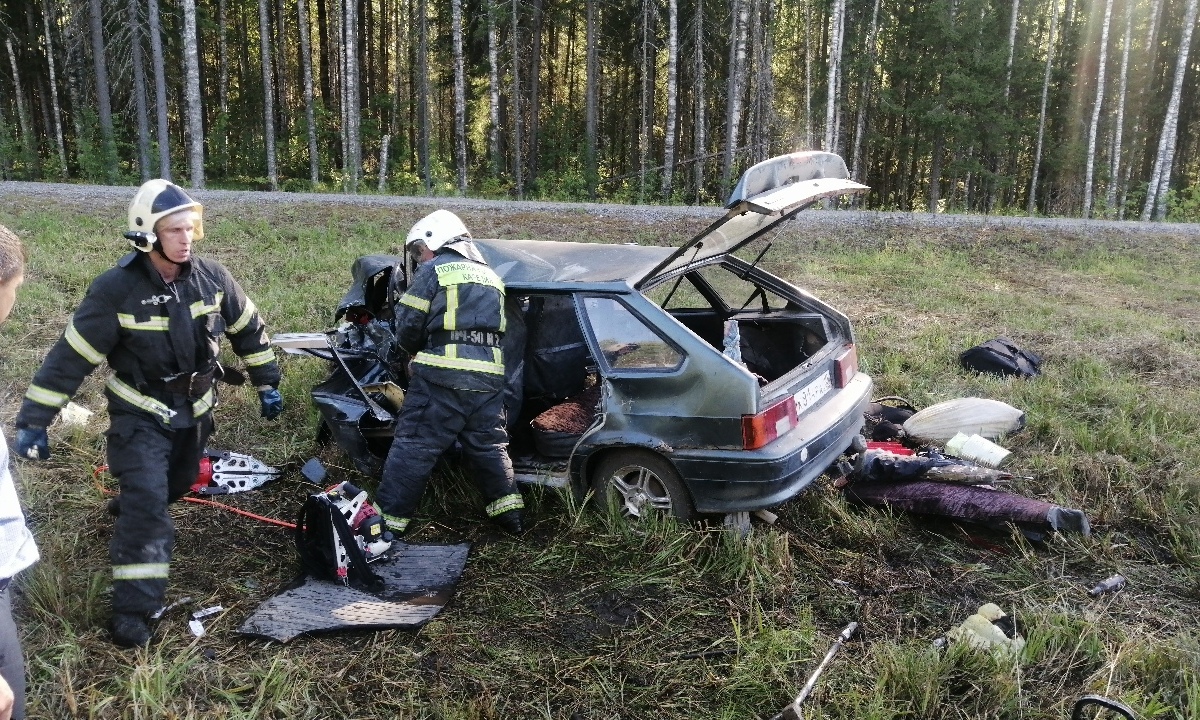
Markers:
(451, 320)
(157, 318)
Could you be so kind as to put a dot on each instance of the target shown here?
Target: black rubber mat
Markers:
(419, 580)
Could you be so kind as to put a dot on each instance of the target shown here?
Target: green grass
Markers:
(588, 617)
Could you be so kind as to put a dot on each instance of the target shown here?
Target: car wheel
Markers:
(642, 482)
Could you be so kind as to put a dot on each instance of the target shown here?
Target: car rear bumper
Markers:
(724, 481)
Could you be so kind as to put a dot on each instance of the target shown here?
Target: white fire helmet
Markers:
(155, 200)
(436, 229)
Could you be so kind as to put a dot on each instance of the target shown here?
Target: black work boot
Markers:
(114, 506)
(130, 630)
(510, 521)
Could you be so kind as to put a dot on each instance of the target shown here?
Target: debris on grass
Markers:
(990, 628)
(972, 415)
(1110, 584)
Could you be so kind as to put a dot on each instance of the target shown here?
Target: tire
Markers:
(641, 482)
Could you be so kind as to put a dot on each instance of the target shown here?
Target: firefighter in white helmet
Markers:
(156, 318)
(451, 320)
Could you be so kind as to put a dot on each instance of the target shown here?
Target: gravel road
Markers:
(897, 222)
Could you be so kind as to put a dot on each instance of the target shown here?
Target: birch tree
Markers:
(518, 160)
(195, 107)
(160, 89)
(22, 107)
(1012, 45)
(1114, 172)
(139, 89)
(264, 44)
(1160, 178)
(494, 85)
(808, 125)
(310, 121)
(646, 105)
(734, 88)
(1095, 124)
(350, 85)
(460, 97)
(423, 94)
(701, 142)
(591, 90)
(55, 108)
(832, 79)
(104, 105)
(860, 123)
(672, 95)
(1031, 203)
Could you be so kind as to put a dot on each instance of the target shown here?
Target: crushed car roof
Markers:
(529, 262)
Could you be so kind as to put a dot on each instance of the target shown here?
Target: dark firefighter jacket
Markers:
(451, 319)
(150, 331)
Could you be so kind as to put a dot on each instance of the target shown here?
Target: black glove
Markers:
(33, 443)
(272, 403)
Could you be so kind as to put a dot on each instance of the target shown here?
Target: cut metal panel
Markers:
(418, 582)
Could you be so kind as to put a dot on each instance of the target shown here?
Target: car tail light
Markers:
(760, 429)
(847, 366)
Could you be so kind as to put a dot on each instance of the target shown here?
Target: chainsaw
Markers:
(366, 524)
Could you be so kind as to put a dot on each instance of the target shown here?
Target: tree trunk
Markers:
(733, 99)
(195, 107)
(834, 74)
(591, 91)
(1012, 45)
(314, 166)
(648, 56)
(518, 160)
(1160, 178)
(160, 91)
(1095, 124)
(808, 133)
(104, 107)
(139, 89)
(494, 88)
(1031, 203)
(222, 59)
(672, 93)
(27, 140)
(460, 98)
(423, 93)
(56, 108)
(535, 76)
(860, 123)
(1114, 173)
(264, 44)
(701, 142)
(350, 90)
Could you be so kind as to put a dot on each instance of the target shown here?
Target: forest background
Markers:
(1064, 107)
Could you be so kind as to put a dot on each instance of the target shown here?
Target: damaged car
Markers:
(681, 380)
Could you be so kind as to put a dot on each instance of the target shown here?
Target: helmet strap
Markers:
(157, 248)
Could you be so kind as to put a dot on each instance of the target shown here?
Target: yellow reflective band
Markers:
(82, 346)
(460, 273)
(503, 318)
(241, 323)
(398, 524)
(450, 319)
(414, 302)
(497, 356)
(142, 571)
(199, 309)
(135, 398)
(504, 504)
(457, 363)
(129, 322)
(259, 358)
(49, 398)
(203, 405)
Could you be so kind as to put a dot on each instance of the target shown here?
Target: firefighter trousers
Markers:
(430, 420)
(154, 467)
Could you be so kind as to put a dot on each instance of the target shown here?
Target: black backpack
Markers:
(1002, 357)
(319, 522)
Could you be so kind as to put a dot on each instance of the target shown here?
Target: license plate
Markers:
(808, 395)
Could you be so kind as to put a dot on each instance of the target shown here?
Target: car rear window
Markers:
(625, 341)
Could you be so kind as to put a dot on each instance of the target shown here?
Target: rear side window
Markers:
(625, 341)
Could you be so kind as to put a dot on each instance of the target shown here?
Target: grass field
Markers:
(586, 617)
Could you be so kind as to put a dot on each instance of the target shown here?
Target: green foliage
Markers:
(1184, 205)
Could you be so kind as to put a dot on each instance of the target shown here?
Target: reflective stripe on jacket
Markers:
(149, 331)
(449, 293)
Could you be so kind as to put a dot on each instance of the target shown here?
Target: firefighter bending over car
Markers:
(157, 318)
(451, 320)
